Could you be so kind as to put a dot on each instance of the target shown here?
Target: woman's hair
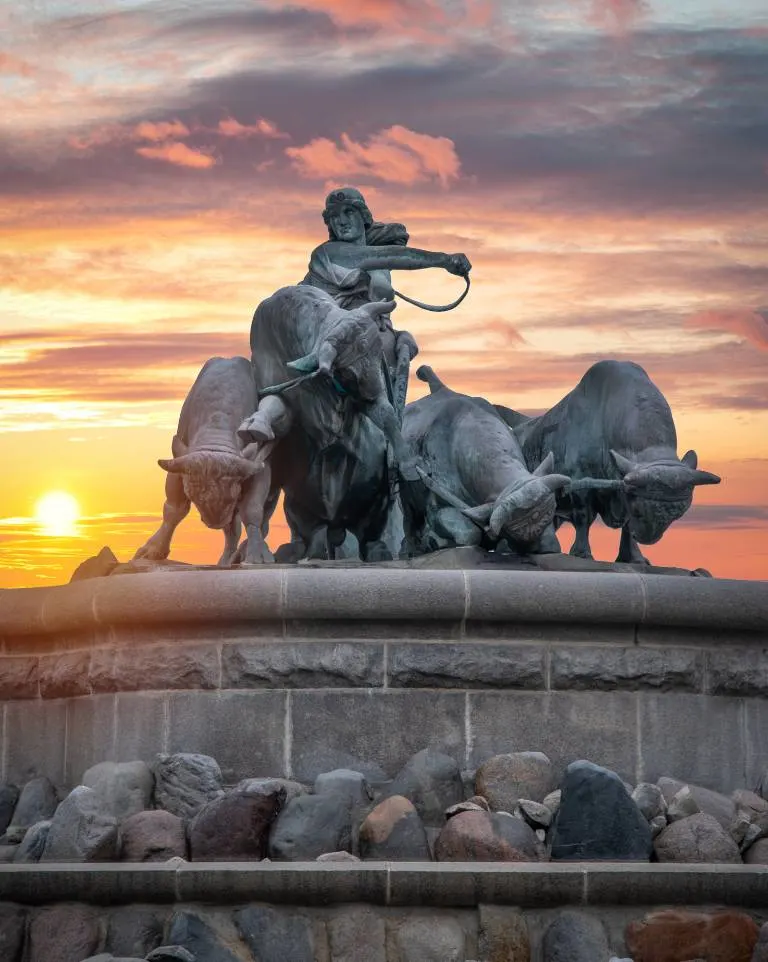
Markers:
(377, 234)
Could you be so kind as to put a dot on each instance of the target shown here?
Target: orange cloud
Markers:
(158, 132)
(619, 15)
(179, 154)
(230, 127)
(15, 67)
(396, 155)
(749, 325)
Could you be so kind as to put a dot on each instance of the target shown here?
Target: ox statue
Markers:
(614, 425)
(475, 486)
(228, 483)
(333, 421)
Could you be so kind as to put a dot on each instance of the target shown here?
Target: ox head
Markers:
(213, 482)
(524, 508)
(658, 492)
(348, 344)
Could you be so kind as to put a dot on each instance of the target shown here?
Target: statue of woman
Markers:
(354, 266)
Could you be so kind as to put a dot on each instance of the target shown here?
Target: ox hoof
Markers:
(256, 428)
(407, 470)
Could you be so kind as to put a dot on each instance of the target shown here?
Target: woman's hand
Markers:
(457, 264)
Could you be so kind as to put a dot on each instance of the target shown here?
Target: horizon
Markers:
(163, 167)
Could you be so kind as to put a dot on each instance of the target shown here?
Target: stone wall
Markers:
(297, 671)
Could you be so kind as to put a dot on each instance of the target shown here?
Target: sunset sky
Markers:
(163, 164)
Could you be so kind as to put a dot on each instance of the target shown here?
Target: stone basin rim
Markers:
(380, 594)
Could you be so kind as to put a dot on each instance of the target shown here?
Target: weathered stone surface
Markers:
(698, 838)
(64, 932)
(737, 671)
(350, 786)
(81, 831)
(607, 668)
(466, 666)
(393, 830)
(124, 788)
(503, 934)
(33, 844)
(195, 932)
(337, 857)
(147, 667)
(310, 825)
(575, 937)
(597, 819)
(486, 837)
(757, 854)
(65, 674)
(743, 798)
(504, 779)
(431, 940)
(12, 925)
(657, 825)
(357, 935)
(681, 805)
(649, 799)
(675, 934)
(468, 806)
(9, 796)
(432, 781)
(7, 853)
(292, 789)
(552, 801)
(709, 802)
(135, 929)
(18, 677)
(36, 803)
(170, 953)
(297, 665)
(275, 936)
(153, 836)
(184, 782)
(760, 953)
(235, 826)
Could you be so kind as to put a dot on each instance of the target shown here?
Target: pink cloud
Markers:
(396, 155)
(179, 154)
(158, 132)
(15, 66)
(749, 325)
(230, 127)
(619, 15)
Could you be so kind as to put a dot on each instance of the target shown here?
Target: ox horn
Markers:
(555, 481)
(624, 465)
(705, 477)
(306, 364)
(176, 465)
(480, 515)
(545, 467)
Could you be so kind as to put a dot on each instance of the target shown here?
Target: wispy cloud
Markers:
(179, 154)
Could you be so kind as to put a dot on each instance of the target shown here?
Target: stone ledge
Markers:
(390, 883)
(281, 595)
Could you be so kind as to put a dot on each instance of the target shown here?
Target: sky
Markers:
(163, 164)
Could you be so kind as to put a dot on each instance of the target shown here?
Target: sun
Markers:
(57, 513)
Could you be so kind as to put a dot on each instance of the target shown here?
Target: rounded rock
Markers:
(505, 779)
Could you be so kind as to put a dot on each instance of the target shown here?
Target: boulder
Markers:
(468, 806)
(124, 788)
(184, 782)
(535, 814)
(66, 932)
(235, 826)
(505, 779)
(152, 836)
(575, 937)
(681, 805)
(276, 936)
(195, 932)
(430, 940)
(351, 786)
(337, 857)
(486, 837)
(657, 825)
(135, 929)
(432, 781)
(649, 799)
(9, 796)
(81, 831)
(12, 926)
(760, 953)
(393, 830)
(675, 934)
(33, 844)
(37, 802)
(170, 953)
(552, 801)
(292, 789)
(698, 838)
(598, 819)
(310, 825)
(503, 935)
(757, 854)
(709, 802)
(357, 934)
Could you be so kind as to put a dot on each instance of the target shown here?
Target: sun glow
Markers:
(57, 514)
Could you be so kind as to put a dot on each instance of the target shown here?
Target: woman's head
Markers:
(347, 215)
